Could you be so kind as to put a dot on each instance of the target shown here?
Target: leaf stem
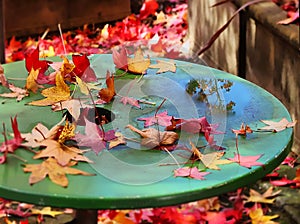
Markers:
(237, 148)
(164, 148)
(19, 158)
(42, 134)
(62, 38)
(157, 109)
(147, 102)
(5, 139)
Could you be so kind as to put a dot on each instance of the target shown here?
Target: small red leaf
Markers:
(148, 8)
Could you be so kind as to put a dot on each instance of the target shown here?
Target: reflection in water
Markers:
(209, 92)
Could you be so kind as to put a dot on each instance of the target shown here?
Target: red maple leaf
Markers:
(162, 119)
(198, 125)
(11, 145)
(94, 137)
(32, 61)
(82, 68)
(120, 58)
(284, 181)
(149, 7)
(246, 161)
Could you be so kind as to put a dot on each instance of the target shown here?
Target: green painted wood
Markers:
(131, 176)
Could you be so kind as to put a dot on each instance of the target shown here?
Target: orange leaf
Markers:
(62, 153)
(55, 171)
(107, 94)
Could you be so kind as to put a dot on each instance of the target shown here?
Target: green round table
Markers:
(128, 177)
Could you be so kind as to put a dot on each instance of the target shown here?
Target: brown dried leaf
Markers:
(152, 138)
(62, 153)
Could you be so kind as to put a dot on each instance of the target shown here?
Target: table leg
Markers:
(85, 216)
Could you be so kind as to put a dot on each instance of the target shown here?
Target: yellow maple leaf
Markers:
(31, 83)
(267, 197)
(45, 211)
(66, 69)
(85, 87)
(67, 132)
(57, 93)
(164, 66)
(119, 140)
(210, 160)
(138, 64)
(257, 217)
(56, 172)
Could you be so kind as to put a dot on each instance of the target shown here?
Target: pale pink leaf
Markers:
(130, 100)
(247, 161)
(190, 172)
(94, 137)
(162, 119)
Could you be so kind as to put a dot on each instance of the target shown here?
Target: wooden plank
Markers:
(31, 17)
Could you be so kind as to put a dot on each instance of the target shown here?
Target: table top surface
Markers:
(131, 177)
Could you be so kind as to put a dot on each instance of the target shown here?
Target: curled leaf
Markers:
(108, 93)
(152, 138)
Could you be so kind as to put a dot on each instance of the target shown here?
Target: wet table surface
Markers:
(130, 176)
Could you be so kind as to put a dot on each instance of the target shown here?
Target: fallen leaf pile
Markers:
(164, 36)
